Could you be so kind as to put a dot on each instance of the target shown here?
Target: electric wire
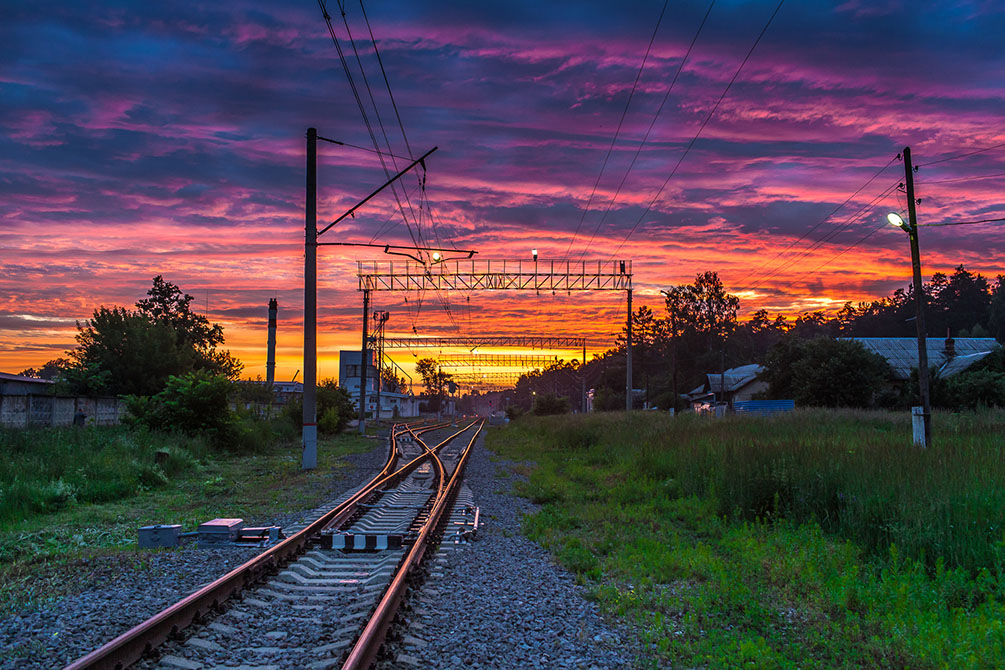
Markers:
(617, 132)
(652, 124)
(383, 130)
(846, 249)
(957, 179)
(826, 238)
(360, 105)
(356, 146)
(960, 223)
(752, 276)
(963, 155)
(700, 129)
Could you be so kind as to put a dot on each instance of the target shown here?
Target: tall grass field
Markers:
(813, 539)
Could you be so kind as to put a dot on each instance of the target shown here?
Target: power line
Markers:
(383, 130)
(361, 106)
(621, 121)
(652, 124)
(964, 155)
(961, 223)
(848, 248)
(356, 146)
(948, 181)
(701, 128)
(819, 223)
(826, 238)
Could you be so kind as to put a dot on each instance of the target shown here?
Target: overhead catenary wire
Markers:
(361, 106)
(383, 130)
(617, 132)
(700, 129)
(649, 130)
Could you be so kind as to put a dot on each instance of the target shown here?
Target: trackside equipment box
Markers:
(220, 530)
(159, 536)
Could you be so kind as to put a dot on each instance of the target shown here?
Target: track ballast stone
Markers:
(127, 592)
(501, 601)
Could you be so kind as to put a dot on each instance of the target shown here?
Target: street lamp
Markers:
(911, 228)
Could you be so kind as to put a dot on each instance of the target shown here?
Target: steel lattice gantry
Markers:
(529, 341)
(495, 361)
(492, 275)
(463, 378)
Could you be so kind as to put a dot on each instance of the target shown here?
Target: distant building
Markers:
(392, 403)
(18, 385)
(950, 355)
(735, 384)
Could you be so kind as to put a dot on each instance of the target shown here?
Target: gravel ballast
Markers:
(498, 602)
(501, 601)
(125, 590)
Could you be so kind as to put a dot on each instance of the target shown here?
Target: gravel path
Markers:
(123, 591)
(501, 602)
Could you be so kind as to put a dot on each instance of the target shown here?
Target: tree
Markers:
(121, 351)
(433, 379)
(51, 371)
(996, 317)
(824, 372)
(390, 381)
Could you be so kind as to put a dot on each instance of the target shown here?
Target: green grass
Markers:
(811, 540)
(49, 550)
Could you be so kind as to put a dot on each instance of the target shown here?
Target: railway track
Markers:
(328, 595)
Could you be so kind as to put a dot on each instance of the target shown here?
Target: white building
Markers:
(392, 404)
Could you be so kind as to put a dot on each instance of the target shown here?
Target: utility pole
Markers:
(628, 357)
(364, 364)
(309, 460)
(919, 298)
(584, 376)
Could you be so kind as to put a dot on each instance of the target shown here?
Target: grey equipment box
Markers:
(220, 530)
(159, 536)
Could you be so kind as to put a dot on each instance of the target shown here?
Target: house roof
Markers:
(902, 352)
(6, 377)
(734, 379)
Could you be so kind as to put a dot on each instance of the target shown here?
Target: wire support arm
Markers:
(351, 212)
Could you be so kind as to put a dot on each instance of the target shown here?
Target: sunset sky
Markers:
(146, 138)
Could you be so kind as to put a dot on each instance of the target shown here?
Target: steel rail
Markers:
(364, 651)
(131, 645)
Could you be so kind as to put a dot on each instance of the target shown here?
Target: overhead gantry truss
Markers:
(474, 341)
(463, 378)
(495, 275)
(495, 361)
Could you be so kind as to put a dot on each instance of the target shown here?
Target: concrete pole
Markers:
(628, 357)
(919, 298)
(309, 459)
(364, 363)
(270, 360)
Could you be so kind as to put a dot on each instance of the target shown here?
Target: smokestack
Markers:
(270, 362)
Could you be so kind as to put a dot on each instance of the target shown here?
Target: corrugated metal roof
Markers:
(734, 378)
(902, 352)
(18, 378)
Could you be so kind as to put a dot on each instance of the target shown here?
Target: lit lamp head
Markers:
(437, 257)
(533, 252)
(896, 220)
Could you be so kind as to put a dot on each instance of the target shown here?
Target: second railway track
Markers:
(327, 596)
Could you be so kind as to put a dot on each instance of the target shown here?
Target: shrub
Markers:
(195, 404)
(334, 409)
(548, 404)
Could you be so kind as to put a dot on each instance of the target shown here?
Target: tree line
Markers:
(697, 331)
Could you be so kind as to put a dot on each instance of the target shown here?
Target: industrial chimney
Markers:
(270, 362)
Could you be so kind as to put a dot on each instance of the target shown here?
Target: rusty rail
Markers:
(364, 652)
(130, 646)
